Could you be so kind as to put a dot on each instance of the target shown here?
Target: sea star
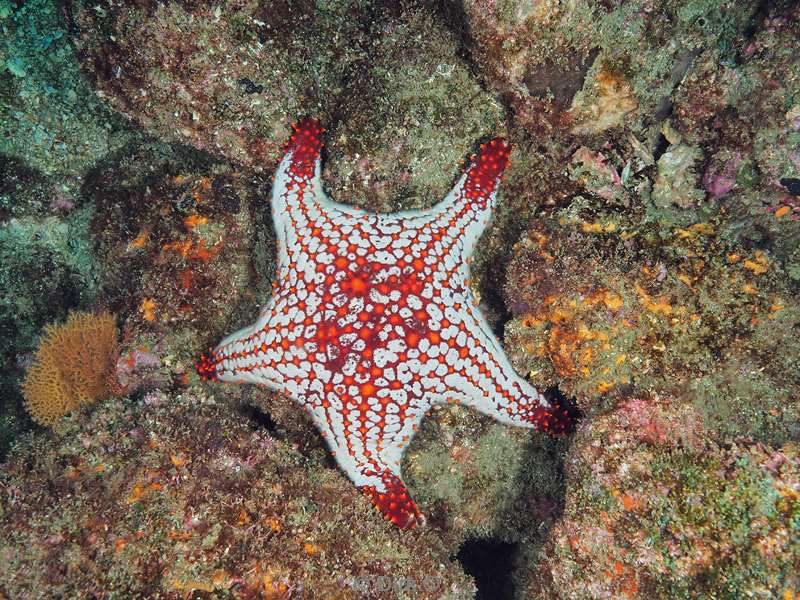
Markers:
(372, 321)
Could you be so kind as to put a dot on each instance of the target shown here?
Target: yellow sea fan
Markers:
(74, 366)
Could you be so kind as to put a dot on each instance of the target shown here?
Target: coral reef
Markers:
(74, 366)
(398, 146)
(698, 97)
(184, 259)
(587, 67)
(644, 259)
(233, 79)
(175, 496)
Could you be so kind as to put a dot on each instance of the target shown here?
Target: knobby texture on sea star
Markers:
(372, 321)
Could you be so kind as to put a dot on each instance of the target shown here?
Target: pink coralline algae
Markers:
(372, 321)
(718, 181)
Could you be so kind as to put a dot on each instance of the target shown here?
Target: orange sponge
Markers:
(74, 366)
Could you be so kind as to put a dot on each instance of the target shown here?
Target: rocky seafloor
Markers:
(643, 264)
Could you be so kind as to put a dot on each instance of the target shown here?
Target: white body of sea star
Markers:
(372, 321)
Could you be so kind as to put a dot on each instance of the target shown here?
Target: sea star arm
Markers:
(486, 381)
(262, 353)
(473, 368)
(296, 193)
(458, 221)
(368, 443)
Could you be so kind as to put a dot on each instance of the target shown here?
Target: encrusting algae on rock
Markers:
(178, 496)
(608, 306)
(73, 368)
(656, 509)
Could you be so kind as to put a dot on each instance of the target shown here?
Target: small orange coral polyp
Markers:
(74, 366)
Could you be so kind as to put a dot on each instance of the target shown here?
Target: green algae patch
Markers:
(50, 116)
(477, 479)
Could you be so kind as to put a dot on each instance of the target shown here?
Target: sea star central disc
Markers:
(372, 321)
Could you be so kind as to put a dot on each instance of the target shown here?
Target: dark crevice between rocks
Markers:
(761, 13)
(261, 420)
(660, 146)
(681, 67)
(491, 564)
(492, 302)
(67, 9)
(454, 17)
(297, 430)
(493, 271)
